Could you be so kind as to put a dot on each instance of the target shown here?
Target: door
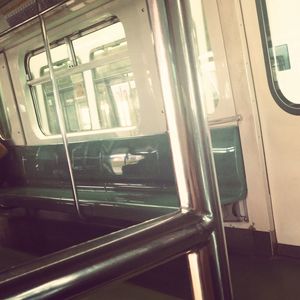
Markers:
(273, 40)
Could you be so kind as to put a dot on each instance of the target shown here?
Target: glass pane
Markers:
(282, 21)
(208, 68)
(4, 122)
(104, 36)
(98, 98)
(38, 64)
(74, 102)
(117, 99)
(116, 95)
(214, 75)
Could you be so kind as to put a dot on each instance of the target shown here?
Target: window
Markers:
(74, 102)
(208, 68)
(4, 122)
(95, 81)
(115, 88)
(279, 23)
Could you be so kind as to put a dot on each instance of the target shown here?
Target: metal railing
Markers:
(225, 120)
(115, 256)
(59, 110)
(175, 39)
(143, 246)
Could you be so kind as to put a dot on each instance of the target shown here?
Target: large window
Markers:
(280, 23)
(95, 81)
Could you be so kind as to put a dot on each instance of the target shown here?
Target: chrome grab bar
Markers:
(62, 274)
(225, 120)
(88, 264)
(59, 110)
(177, 52)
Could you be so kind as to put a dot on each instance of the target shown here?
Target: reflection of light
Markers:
(105, 108)
(117, 162)
(117, 157)
(134, 159)
(147, 152)
(223, 150)
(22, 108)
(195, 274)
(121, 94)
(85, 117)
(50, 286)
(132, 84)
(77, 7)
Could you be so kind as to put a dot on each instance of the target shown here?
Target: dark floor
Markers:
(256, 278)
(253, 278)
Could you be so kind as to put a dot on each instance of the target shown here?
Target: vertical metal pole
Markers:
(71, 52)
(199, 265)
(59, 111)
(175, 38)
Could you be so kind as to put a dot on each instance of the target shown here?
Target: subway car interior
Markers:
(148, 149)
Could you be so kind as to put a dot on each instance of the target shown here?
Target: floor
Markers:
(253, 278)
(256, 278)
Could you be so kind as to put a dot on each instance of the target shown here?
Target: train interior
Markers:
(112, 105)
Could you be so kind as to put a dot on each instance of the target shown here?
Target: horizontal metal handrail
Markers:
(118, 255)
(81, 68)
(225, 120)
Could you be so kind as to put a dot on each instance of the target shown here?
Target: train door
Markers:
(273, 39)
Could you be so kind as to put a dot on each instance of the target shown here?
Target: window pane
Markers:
(115, 91)
(116, 94)
(281, 20)
(74, 103)
(99, 97)
(208, 67)
(38, 63)
(4, 122)
(105, 36)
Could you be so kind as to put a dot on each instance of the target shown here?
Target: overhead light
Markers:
(77, 7)
(70, 2)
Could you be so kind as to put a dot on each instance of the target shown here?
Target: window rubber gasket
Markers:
(278, 96)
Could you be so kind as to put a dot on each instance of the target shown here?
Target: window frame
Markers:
(5, 133)
(103, 80)
(278, 96)
(76, 68)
